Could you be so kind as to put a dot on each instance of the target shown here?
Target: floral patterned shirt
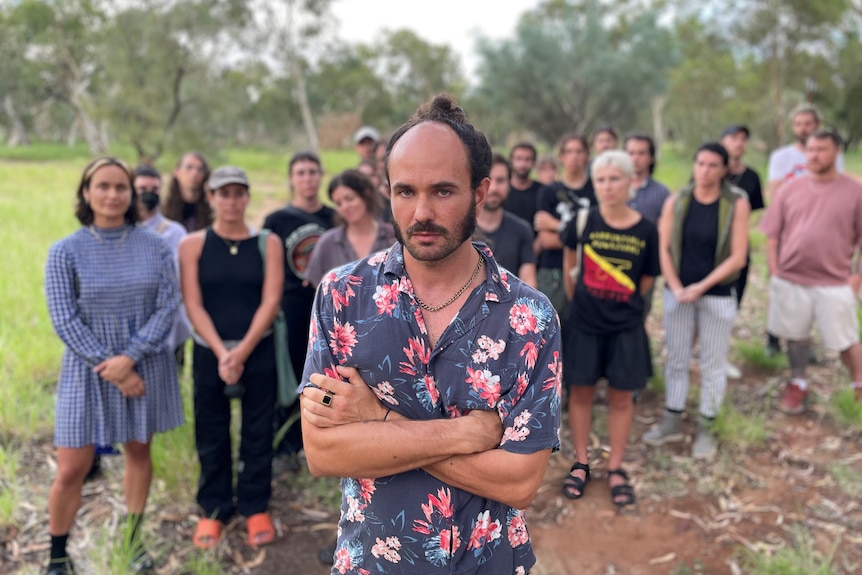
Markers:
(501, 351)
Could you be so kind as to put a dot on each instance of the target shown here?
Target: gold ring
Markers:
(327, 399)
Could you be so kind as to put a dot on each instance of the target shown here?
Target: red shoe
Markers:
(794, 399)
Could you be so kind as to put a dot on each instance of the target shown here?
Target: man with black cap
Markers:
(364, 142)
(734, 139)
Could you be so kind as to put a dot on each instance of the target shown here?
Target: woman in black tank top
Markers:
(232, 297)
(703, 243)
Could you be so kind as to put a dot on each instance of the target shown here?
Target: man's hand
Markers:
(352, 400)
(116, 368)
(855, 282)
(485, 428)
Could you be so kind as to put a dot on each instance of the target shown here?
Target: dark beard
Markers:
(455, 239)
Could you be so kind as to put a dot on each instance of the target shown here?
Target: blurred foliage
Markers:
(163, 76)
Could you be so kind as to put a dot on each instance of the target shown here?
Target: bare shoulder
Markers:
(192, 244)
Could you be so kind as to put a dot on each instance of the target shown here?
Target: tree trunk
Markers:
(18, 135)
(94, 133)
(658, 123)
(304, 106)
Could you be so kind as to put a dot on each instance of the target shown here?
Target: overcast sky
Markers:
(453, 22)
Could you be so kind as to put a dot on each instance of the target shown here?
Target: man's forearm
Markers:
(381, 448)
(506, 477)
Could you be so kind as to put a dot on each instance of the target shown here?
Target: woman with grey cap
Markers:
(232, 296)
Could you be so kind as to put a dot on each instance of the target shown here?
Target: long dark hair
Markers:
(172, 208)
(83, 211)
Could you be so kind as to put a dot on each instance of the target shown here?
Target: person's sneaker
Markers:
(60, 567)
(705, 443)
(732, 371)
(667, 431)
(142, 563)
(793, 400)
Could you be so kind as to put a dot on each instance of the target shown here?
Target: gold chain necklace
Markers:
(427, 307)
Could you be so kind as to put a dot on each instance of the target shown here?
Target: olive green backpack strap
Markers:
(287, 382)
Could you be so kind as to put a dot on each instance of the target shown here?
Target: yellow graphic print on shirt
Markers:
(603, 279)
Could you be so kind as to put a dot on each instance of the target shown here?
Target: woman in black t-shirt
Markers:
(616, 264)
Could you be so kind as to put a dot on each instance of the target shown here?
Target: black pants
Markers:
(212, 434)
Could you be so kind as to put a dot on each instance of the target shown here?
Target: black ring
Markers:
(327, 399)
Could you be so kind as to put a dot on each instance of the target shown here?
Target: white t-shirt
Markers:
(789, 162)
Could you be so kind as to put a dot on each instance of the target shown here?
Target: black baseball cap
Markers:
(735, 129)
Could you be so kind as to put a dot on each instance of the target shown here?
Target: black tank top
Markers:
(699, 241)
(231, 285)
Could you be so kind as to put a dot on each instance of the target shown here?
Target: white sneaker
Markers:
(732, 371)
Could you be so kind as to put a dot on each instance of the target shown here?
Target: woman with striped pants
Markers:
(703, 241)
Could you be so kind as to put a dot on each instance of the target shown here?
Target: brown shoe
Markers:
(794, 399)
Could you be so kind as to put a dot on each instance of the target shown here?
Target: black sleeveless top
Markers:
(231, 285)
(699, 242)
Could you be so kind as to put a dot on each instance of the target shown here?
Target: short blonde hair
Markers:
(614, 159)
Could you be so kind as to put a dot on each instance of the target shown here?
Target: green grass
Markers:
(10, 486)
(739, 430)
(799, 558)
(174, 454)
(846, 409)
(848, 479)
(754, 355)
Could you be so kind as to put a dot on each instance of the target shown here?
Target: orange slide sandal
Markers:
(260, 529)
(207, 533)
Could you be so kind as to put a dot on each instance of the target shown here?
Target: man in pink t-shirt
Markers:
(814, 230)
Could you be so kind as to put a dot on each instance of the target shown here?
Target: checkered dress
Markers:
(110, 292)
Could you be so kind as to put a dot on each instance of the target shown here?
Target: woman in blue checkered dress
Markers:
(112, 296)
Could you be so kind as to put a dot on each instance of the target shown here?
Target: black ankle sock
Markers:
(58, 546)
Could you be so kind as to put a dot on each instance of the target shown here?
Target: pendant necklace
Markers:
(233, 247)
(449, 301)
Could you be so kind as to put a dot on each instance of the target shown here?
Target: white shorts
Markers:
(793, 308)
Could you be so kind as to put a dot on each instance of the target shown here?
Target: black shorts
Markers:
(622, 357)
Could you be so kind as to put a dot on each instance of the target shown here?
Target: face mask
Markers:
(150, 200)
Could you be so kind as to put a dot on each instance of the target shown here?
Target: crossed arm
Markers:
(351, 439)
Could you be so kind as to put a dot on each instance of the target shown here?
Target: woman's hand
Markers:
(132, 386)
(230, 367)
(691, 293)
(116, 368)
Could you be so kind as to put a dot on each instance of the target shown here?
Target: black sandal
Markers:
(572, 482)
(622, 490)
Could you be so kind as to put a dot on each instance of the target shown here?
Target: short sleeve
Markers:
(546, 200)
(652, 266)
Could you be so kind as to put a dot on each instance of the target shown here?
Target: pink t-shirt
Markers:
(818, 226)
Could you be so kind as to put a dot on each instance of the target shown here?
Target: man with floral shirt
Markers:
(411, 371)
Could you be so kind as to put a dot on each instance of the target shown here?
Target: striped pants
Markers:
(711, 317)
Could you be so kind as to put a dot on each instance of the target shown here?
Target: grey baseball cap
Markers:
(366, 132)
(225, 175)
